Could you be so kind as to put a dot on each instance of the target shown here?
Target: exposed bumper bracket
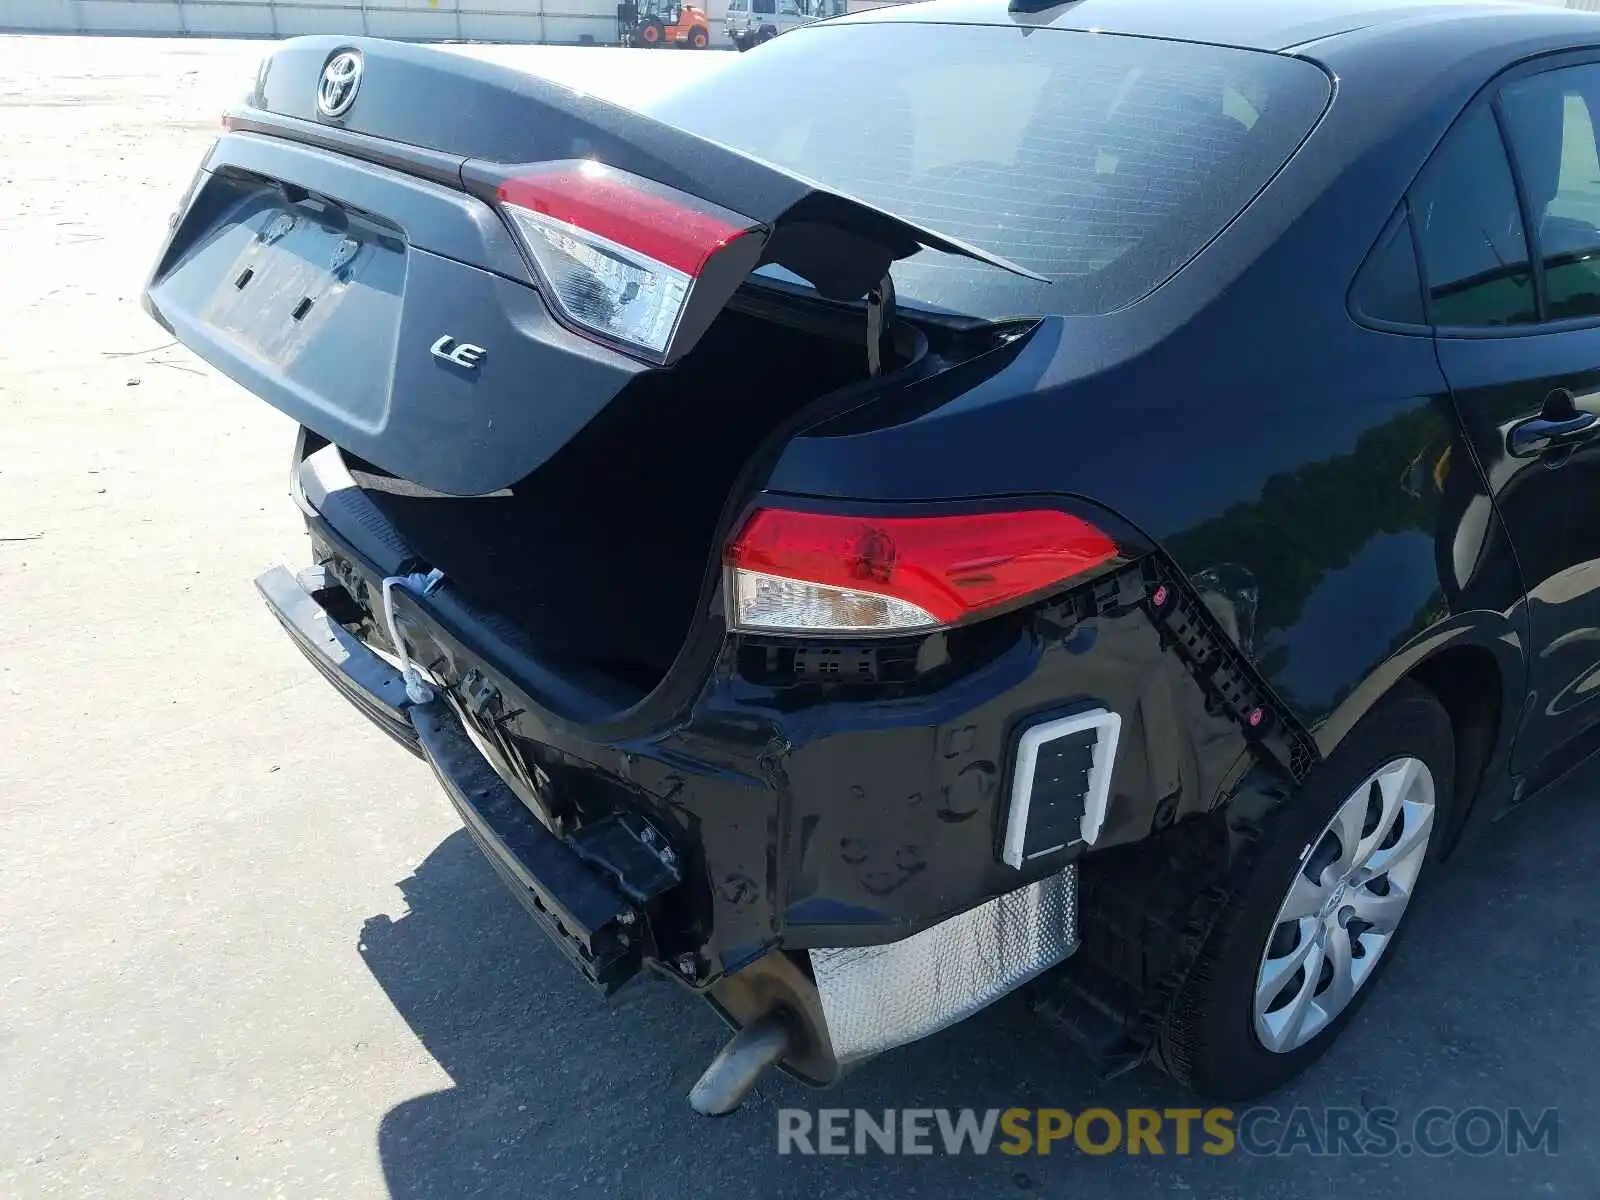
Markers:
(592, 923)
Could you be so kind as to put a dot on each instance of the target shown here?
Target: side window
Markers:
(1387, 289)
(765, 6)
(1550, 120)
(1469, 231)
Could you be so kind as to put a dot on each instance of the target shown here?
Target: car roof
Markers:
(1256, 24)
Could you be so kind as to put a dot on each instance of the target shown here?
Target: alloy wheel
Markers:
(1349, 892)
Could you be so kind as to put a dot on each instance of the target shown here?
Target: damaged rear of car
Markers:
(602, 458)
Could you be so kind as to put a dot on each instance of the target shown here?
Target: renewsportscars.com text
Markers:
(1258, 1131)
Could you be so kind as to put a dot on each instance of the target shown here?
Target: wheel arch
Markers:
(1475, 666)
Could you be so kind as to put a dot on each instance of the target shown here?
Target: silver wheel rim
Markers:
(1350, 890)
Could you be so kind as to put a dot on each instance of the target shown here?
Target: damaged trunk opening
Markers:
(602, 555)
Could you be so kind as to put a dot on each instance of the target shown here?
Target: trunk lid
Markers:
(357, 272)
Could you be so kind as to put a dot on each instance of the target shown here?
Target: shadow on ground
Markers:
(557, 1092)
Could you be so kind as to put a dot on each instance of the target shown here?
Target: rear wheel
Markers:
(1301, 942)
(742, 42)
(651, 35)
(699, 38)
(766, 35)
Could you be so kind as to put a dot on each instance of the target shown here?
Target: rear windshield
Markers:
(1102, 162)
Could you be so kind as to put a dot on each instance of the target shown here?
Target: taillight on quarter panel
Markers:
(805, 572)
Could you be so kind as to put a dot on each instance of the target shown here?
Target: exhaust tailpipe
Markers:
(739, 1064)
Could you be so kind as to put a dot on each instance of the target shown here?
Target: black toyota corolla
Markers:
(958, 493)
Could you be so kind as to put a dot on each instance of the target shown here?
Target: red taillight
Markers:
(619, 254)
(803, 571)
(625, 209)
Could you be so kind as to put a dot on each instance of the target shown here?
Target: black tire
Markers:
(766, 35)
(1208, 1040)
(699, 39)
(652, 35)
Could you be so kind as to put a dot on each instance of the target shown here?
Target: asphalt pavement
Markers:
(245, 948)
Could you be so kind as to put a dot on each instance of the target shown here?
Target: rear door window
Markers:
(1550, 119)
(1469, 231)
(1102, 162)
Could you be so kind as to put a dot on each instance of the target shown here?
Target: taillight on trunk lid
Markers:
(621, 256)
(806, 572)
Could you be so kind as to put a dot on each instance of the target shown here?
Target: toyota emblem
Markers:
(341, 78)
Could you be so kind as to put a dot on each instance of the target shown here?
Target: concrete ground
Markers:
(245, 947)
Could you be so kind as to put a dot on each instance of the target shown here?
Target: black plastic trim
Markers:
(398, 156)
(1228, 678)
(326, 486)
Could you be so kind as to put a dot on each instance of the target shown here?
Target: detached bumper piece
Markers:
(363, 678)
(878, 997)
(585, 915)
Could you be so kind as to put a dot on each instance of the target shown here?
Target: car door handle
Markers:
(1548, 433)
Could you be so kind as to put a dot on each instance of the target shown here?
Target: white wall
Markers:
(474, 20)
(419, 20)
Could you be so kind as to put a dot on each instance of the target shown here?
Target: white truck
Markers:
(751, 22)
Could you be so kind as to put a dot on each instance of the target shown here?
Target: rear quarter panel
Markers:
(1307, 474)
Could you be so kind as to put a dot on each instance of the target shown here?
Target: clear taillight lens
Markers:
(602, 286)
(800, 572)
(762, 601)
(619, 254)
